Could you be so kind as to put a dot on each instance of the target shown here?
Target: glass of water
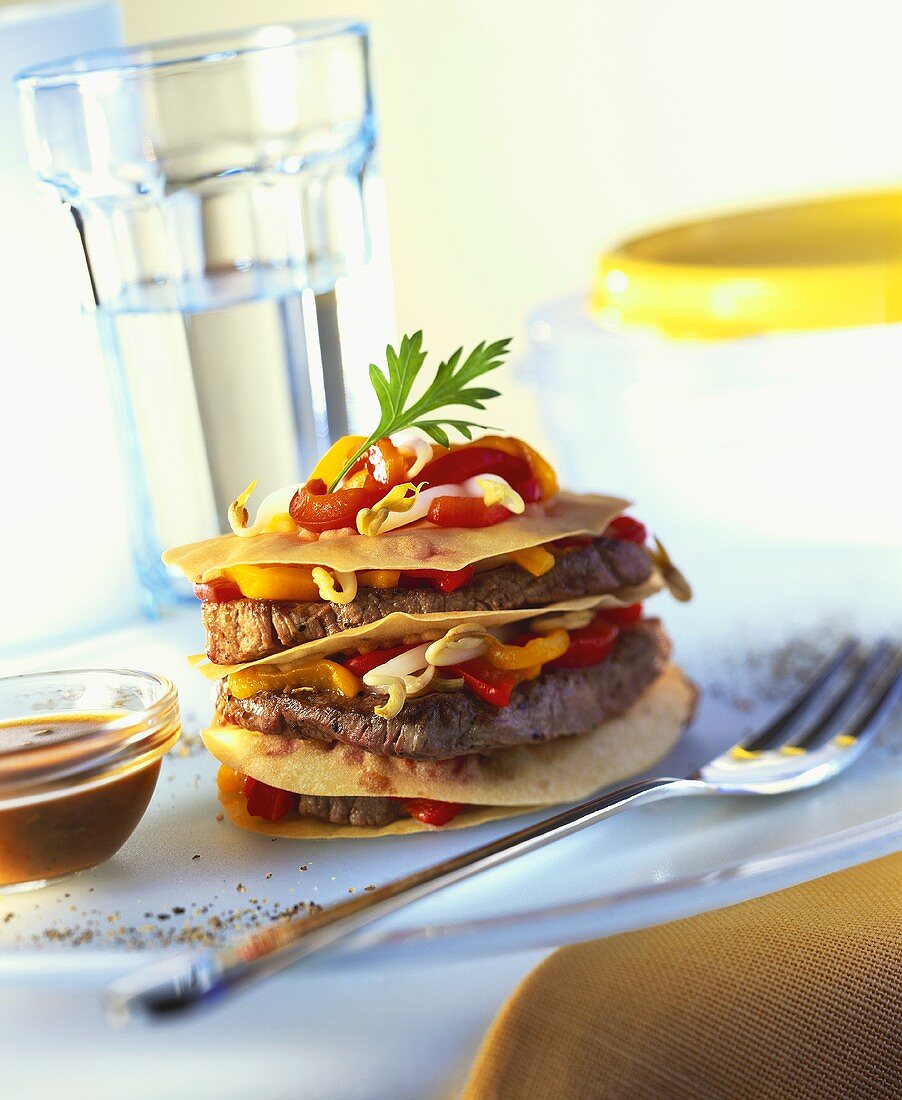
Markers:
(226, 196)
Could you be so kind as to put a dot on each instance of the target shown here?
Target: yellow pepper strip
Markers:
(535, 560)
(228, 780)
(330, 465)
(530, 673)
(274, 582)
(379, 578)
(538, 651)
(319, 675)
(282, 523)
(541, 469)
(296, 582)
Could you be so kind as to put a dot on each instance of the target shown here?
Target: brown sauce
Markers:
(79, 828)
(44, 732)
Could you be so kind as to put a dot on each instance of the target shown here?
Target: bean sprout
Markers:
(326, 581)
(461, 643)
(567, 620)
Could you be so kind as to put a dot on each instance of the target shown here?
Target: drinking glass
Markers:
(226, 196)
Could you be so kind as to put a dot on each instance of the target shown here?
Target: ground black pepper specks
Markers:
(92, 918)
(201, 928)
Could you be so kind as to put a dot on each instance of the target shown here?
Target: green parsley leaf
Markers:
(449, 388)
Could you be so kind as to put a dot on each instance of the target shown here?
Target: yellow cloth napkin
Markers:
(797, 994)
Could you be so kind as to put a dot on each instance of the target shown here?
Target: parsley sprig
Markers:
(450, 387)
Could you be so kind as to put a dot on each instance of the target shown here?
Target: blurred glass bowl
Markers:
(738, 377)
(80, 753)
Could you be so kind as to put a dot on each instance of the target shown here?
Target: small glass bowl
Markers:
(73, 794)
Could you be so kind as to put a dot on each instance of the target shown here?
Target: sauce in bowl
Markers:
(75, 783)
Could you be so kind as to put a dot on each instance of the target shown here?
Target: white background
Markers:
(518, 139)
(520, 136)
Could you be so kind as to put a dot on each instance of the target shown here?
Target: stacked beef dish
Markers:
(430, 634)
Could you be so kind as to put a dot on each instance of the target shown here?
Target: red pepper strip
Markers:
(465, 512)
(384, 462)
(621, 616)
(267, 802)
(219, 590)
(445, 580)
(627, 529)
(429, 810)
(588, 646)
(530, 490)
(362, 663)
(316, 510)
(457, 466)
(493, 685)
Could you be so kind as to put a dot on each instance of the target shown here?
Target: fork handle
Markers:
(201, 978)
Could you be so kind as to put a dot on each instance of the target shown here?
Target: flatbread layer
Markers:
(399, 626)
(563, 770)
(415, 547)
(310, 828)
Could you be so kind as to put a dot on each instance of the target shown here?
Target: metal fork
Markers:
(827, 727)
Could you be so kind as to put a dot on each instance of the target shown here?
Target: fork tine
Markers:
(858, 712)
(777, 732)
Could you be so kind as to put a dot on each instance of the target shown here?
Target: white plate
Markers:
(761, 623)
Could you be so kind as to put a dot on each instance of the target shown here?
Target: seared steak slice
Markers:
(244, 630)
(351, 810)
(442, 725)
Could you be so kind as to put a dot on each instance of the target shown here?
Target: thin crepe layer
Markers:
(310, 828)
(425, 547)
(563, 770)
(399, 625)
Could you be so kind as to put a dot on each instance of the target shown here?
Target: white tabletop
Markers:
(399, 1031)
(406, 1021)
